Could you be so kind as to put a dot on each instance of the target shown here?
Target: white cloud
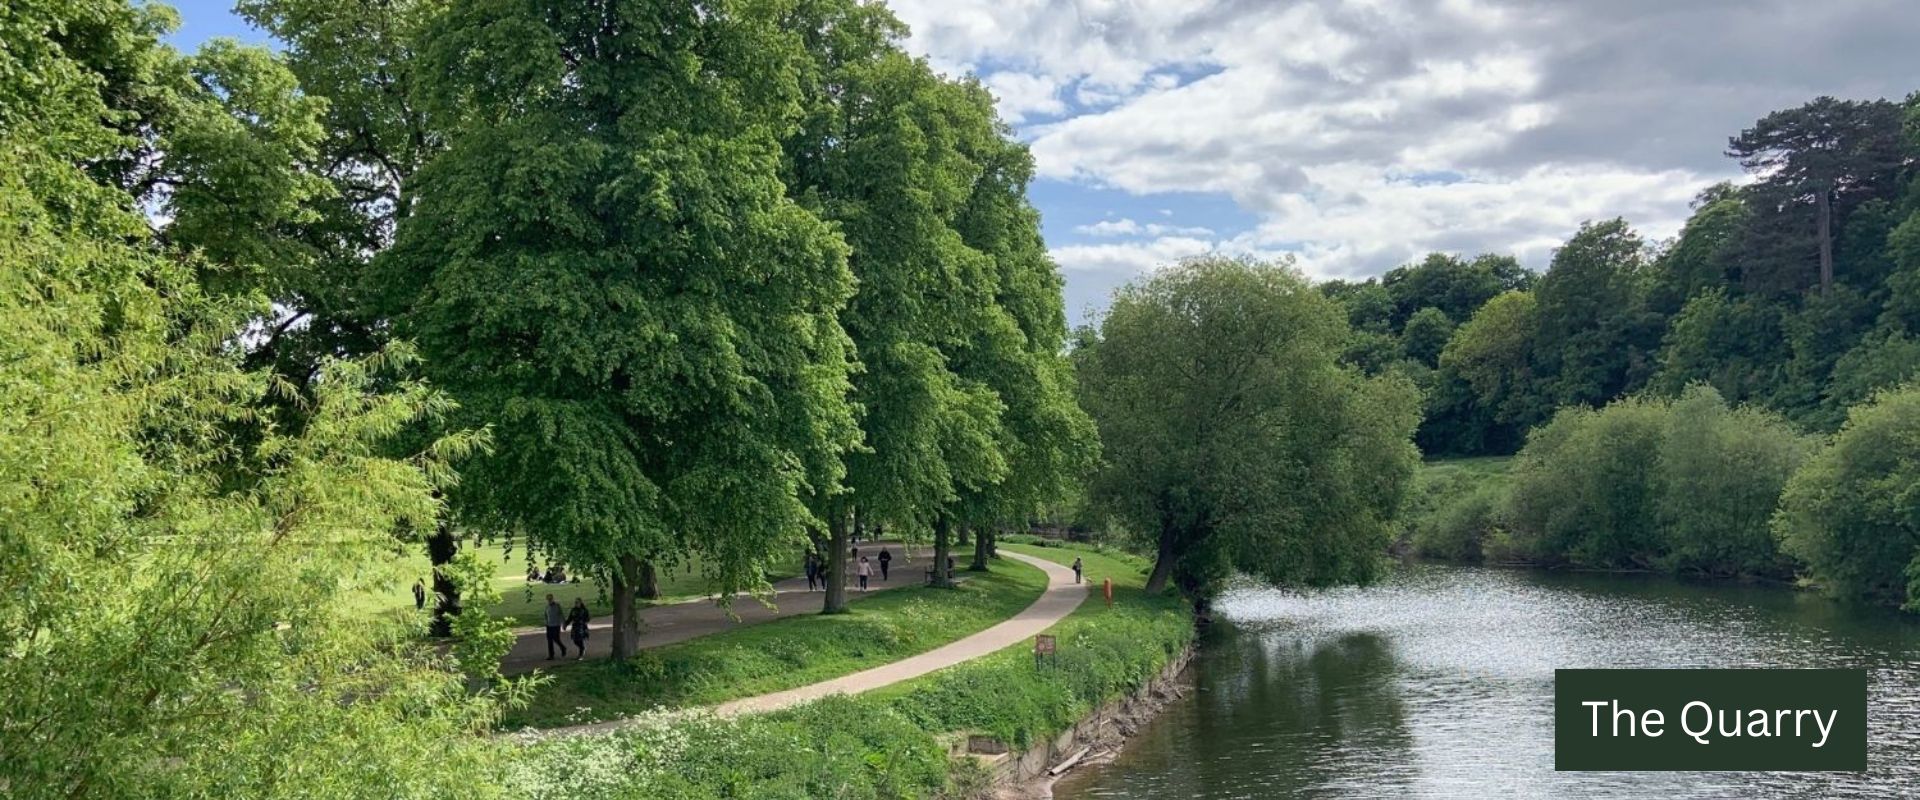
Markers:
(1128, 227)
(1360, 133)
(1130, 258)
(1021, 95)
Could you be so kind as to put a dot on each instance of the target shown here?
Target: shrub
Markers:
(1583, 489)
(1852, 513)
(1684, 485)
(1464, 516)
(1721, 472)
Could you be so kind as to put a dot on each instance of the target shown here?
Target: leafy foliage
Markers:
(1852, 515)
(1234, 437)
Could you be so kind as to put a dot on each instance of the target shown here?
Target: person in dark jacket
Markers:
(419, 595)
(886, 558)
(556, 617)
(813, 572)
(577, 620)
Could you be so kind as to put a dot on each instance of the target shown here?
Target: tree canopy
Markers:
(1234, 437)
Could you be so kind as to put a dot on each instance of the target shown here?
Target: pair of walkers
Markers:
(574, 619)
(818, 573)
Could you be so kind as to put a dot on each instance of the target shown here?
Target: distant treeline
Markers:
(1798, 292)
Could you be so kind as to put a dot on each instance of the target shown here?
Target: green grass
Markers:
(1103, 654)
(885, 743)
(524, 604)
(783, 653)
(1478, 467)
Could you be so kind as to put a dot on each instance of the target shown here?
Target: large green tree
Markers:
(604, 267)
(1234, 437)
(1815, 163)
(182, 574)
(966, 408)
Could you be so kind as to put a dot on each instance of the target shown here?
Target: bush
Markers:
(836, 747)
(1583, 487)
(1852, 513)
(1684, 485)
(1721, 472)
(1457, 527)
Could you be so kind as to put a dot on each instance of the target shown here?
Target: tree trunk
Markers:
(841, 541)
(980, 540)
(441, 548)
(993, 544)
(942, 549)
(1162, 562)
(1825, 204)
(961, 537)
(626, 619)
(649, 581)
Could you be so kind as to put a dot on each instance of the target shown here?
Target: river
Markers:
(1438, 682)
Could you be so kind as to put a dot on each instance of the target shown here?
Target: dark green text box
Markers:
(1750, 719)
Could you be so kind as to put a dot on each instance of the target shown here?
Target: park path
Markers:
(1062, 596)
(669, 623)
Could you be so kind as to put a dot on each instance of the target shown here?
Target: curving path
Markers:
(1060, 599)
(667, 623)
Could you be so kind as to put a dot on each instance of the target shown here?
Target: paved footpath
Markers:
(677, 622)
(1060, 599)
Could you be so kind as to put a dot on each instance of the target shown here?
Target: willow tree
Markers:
(603, 266)
(360, 60)
(1234, 439)
(182, 576)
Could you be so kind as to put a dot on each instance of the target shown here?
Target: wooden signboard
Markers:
(1043, 648)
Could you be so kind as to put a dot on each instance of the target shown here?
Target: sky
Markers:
(1353, 136)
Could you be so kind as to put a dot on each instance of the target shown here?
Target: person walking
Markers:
(865, 570)
(1076, 569)
(419, 595)
(813, 572)
(556, 617)
(886, 559)
(577, 620)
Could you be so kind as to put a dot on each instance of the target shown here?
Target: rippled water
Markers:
(1439, 683)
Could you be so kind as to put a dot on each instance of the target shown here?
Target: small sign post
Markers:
(1043, 649)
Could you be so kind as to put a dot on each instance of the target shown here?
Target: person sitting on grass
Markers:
(533, 574)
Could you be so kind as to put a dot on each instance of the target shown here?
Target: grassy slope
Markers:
(1103, 653)
(784, 653)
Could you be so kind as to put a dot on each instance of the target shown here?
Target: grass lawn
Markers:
(524, 603)
(1477, 467)
(1103, 653)
(784, 653)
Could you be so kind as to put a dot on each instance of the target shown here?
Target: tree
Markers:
(1453, 285)
(1828, 154)
(182, 576)
(604, 268)
(1594, 340)
(1234, 438)
(1851, 513)
(1426, 335)
(1720, 474)
(1493, 353)
(967, 414)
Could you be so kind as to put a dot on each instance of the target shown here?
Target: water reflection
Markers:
(1438, 684)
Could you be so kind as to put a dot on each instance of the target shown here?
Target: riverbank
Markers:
(908, 740)
(1402, 689)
